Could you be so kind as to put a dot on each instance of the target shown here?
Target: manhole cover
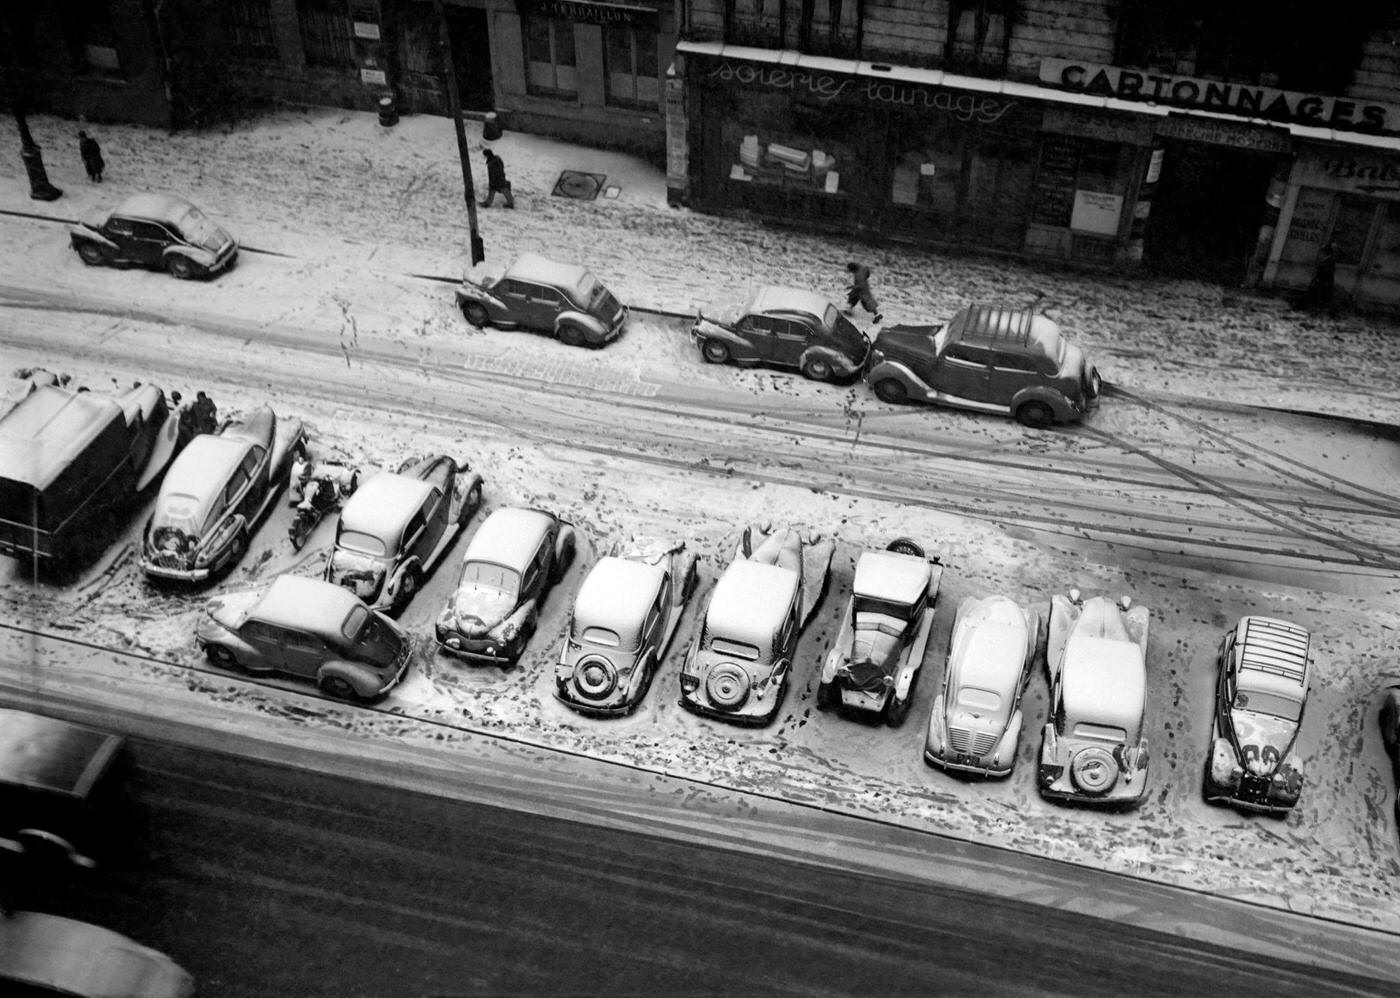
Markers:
(583, 186)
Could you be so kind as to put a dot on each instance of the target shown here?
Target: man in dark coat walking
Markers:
(496, 182)
(860, 290)
(206, 418)
(92, 156)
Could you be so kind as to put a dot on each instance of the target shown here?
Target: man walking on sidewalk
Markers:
(92, 157)
(860, 290)
(496, 182)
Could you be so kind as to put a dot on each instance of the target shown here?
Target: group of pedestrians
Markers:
(199, 416)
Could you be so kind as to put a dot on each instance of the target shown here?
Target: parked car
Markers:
(782, 327)
(975, 725)
(625, 614)
(1093, 749)
(515, 558)
(160, 231)
(215, 495)
(1260, 693)
(396, 527)
(43, 954)
(1390, 736)
(1007, 361)
(739, 666)
(71, 462)
(875, 662)
(561, 299)
(310, 629)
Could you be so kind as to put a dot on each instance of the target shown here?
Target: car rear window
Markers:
(1100, 732)
(1269, 703)
(602, 636)
(737, 649)
(976, 700)
(354, 540)
(354, 622)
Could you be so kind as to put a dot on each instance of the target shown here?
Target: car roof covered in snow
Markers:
(1271, 656)
(771, 299)
(383, 504)
(168, 208)
(617, 594)
(750, 601)
(203, 469)
(542, 270)
(48, 430)
(310, 605)
(894, 578)
(1105, 682)
(993, 324)
(989, 645)
(509, 537)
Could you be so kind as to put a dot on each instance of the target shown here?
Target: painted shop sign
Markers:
(827, 87)
(1236, 134)
(585, 12)
(1243, 99)
(1359, 172)
(1106, 126)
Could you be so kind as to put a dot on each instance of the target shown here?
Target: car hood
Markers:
(907, 339)
(480, 608)
(380, 642)
(96, 218)
(874, 655)
(722, 313)
(1264, 740)
(231, 609)
(361, 573)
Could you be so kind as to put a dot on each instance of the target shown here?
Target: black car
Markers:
(159, 231)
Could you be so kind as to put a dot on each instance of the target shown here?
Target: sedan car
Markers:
(879, 650)
(216, 493)
(975, 726)
(1092, 750)
(625, 614)
(516, 557)
(1259, 697)
(395, 527)
(310, 629)
(160, 231)
(43, 954)
(782, 327)
(561, 299)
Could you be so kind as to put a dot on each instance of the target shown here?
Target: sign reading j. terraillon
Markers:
(1248, 101)
(828, 87)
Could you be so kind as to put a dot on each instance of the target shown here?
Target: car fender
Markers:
(81, 233)
(365, 681)
(471, 292)
(913, 657)
(709, 330)
(1005, 753)
(840, 653)
(637, 677)
(564, 550)
(938, 726)
(1055, 399)
(200, 257)
(396, 577)
(583, 319)
(892, 369)
(1064, 613)
(840, 362)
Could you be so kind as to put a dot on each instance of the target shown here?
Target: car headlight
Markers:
(509, 631)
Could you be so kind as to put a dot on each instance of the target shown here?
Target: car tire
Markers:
(408, 587)
(475, 313)
(222, 657)
(180, 268)
(338, 688)
(714, 352)
(595, 677)
(891, 390)
(565, 559)
(470, 503)
(905, 545)
(1036, 415)
(92, 254)
(818, 369)
(727, 686)
(570, 335)
(1094, 771)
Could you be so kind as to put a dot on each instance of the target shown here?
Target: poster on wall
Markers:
(1096, 213)
(1054, 183)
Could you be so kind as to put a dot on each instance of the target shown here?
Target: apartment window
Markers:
(979, 32)
(549, 57)
(629, 59)
(420, 40)
(92, 40)
(829, 27)
(249, 26)
(325, 33)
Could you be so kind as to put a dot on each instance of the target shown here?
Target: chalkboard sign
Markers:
(1053, 196)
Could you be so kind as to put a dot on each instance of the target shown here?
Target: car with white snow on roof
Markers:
(159, 231)
(510, 565)
(1093, 750)
(309, 629)
(563, 300)
(875, 662)
(216, 493)
(1260, 693)
(396, 526)
(625, 614)
(975, 725)
(1013, 362)
(782, 327)
(740, 665)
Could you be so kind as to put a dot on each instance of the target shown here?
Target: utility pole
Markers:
(454, 107)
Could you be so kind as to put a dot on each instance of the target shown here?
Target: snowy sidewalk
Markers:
(335, 184)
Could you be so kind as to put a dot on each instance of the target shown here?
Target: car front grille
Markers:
(968, 743)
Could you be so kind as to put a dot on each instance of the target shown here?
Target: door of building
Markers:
(471, 57)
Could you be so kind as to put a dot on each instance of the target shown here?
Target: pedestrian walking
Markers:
(496, 182)
(92, 156)
(206, 415)
(860, 290)
(1322, 289)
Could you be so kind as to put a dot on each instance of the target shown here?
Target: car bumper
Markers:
(592, 708)
(742, 716)
(478, 649)
(965, 764)
(174, 573)
(224, 260)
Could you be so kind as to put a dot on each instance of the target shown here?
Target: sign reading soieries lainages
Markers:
(1243, 99)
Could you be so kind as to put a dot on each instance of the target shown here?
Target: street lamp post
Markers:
(454, 107)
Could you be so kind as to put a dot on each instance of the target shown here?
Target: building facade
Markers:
(1187, 136)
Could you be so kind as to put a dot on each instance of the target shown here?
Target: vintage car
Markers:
(975, 726)
(396, 527)
(511, 564)
(310, 629)
(72, 462)
(1093, 750)
(49, 955)
(739, 666)
(561, 299)
(875, 661)
(160, 231)
(215, 495)
(625, 614)
(1390, 736)
(1259, 696)
(1006, 361)
(782, 327)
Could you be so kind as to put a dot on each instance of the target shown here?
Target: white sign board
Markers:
(1096, 212)
(373, 77)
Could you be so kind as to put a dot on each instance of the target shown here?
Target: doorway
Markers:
(471, 57)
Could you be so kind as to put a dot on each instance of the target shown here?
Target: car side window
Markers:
(513, 288)
(792, 329)
(236, 481)
(301, 641)
(1006, 360)
(966, 353)
(257, 630)
(548, 296)
(765, 324)
(431, 504)
(149, 230)
(120, 227)
(250, 462)
(535, 568)
(414, 525)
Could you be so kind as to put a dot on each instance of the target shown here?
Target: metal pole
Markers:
(454, 107)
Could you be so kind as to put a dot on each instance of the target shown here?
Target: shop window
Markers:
(829, 27)
(1352, 229)
(771, 141)
(420, 40)
(978, 35)
(326, 33)
(248, 24)
(629, 59)
(549, 57)
(91, 37)
(1385, 258)
(754, 22)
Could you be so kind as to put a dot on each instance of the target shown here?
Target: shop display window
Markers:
(779, 143)
(551, 66)
(631, 65)
(1385, 259)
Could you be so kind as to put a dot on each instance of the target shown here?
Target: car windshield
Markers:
(1269, 703)
(588, 288)
(195, 226)
(737, 649)
(486, 575)
(354, 540)
(970, 698)
(881, 607)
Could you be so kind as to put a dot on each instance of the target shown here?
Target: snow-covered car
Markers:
(43, 954)
(782, 327)
(1092, 749)
(1262, 687)
(739, 666)
(160, 231)
(975, 726)
(310, 629)
(625, 614)
(216, 493)
(515, 558)
(561, 299)
(879, 650)
(396, 526)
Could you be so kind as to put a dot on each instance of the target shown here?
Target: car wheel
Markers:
(475, 313)
(892, 391)
(570, 335)
(1094, 771)
(565, 559)
(340, 689)
(817, 369)
(408, 585)
(180, 268)
(470, 504)
(727, 686)
(595, 677)
(222, 657)
(897, 710)
(1036, 415)
(714, 352)
(92, 254)
(904, 545)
